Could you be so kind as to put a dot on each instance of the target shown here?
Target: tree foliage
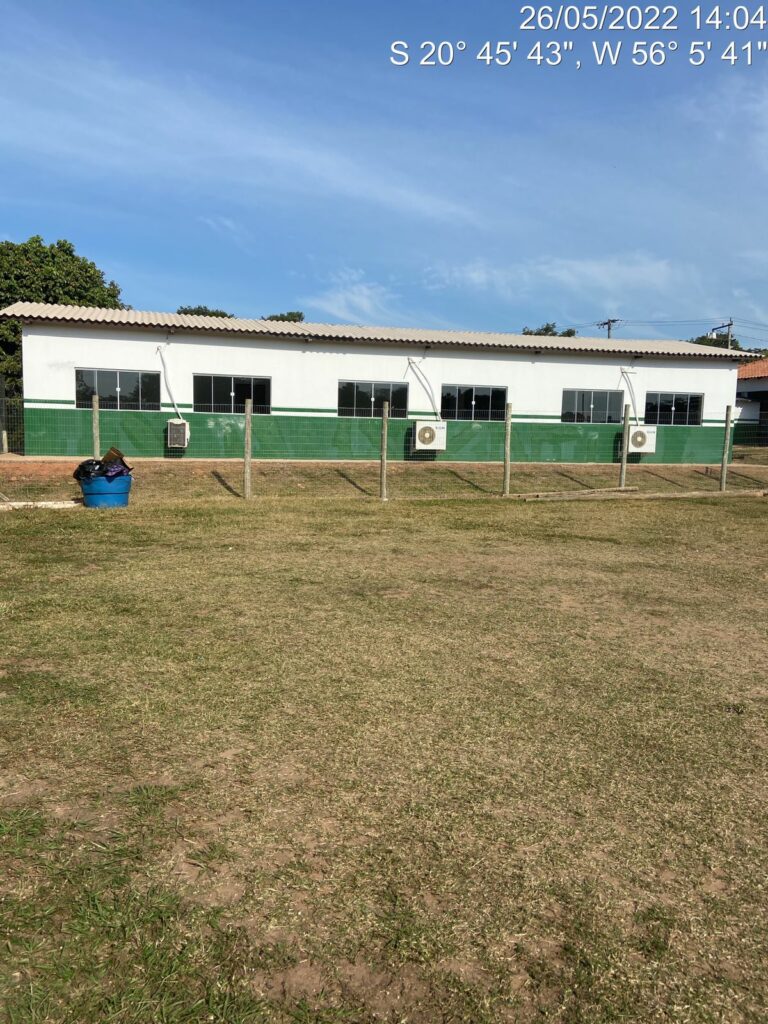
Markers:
(32, 271)
(292, 317)
(719, 341)
(550, 330)
(204, 311)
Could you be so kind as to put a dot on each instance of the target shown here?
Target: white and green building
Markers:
(318, 389)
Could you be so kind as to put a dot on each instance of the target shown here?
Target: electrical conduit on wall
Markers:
(167, 379)
(625, 374)
(424, 381)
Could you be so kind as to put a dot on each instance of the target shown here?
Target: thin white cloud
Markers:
(353, 299)
(753, 260)
(608, 281)
(735, 113)
(97, 117)
(749, 307)
(231, 231)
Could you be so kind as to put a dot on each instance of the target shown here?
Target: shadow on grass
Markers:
(225, 483)
(473, 484)
(354, 483)
(666, 479)
(575, 480)
(745, 476)
(713, 475)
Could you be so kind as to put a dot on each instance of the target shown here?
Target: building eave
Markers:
(319, 333)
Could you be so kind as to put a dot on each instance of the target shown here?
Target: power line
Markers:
(578, 327)
(705, 321)
(752, 337)
(664, 323)
(750, 323)
(647, 323)
(609, 324)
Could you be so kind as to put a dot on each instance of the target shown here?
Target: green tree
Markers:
(719, 341)
(32, 271)
(293, 317)
(550, 330)
(204, 311)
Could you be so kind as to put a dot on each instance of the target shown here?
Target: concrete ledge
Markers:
(586, 493)
(10, 506)
(639, 496)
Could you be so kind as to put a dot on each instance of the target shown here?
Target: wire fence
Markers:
(66, 430)
(331, 455)
(11, 425)
(751, 433)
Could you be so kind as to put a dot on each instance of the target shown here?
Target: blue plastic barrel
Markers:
(106, 491)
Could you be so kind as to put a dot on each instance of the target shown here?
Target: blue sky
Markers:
(265, 156)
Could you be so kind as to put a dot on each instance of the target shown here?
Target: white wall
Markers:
(306, 375)
(752, 385)
(746, 411)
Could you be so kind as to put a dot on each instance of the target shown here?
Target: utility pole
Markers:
(609, 324)
(722, 327)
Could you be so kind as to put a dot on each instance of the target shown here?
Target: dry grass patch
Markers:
(221, 483)
(342, 762)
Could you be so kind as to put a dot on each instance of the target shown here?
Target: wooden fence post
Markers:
(624, 448)
(247, 451)
(95, 426)
(507, 448)
(383, 467)
(726, 448)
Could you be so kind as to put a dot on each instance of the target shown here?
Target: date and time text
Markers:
(549, 35)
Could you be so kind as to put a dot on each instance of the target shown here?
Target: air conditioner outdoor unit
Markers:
(642, 439)
(430, 435)
(178, 433)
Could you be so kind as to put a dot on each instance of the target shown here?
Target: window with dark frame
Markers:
(217, 393)
(367, 398)
(673, 408)
(462, 402)
(592, 406)
(118, 389)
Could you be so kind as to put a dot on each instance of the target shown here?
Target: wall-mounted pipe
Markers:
(167, 379)
(413, 365)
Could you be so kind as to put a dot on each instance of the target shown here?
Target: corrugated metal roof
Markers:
(759, 368)
(39, 312)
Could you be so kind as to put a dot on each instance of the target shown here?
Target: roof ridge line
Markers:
(150, 319)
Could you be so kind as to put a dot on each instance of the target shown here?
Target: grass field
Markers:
(333, 761)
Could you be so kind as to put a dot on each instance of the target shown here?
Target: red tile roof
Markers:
(759, 368)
